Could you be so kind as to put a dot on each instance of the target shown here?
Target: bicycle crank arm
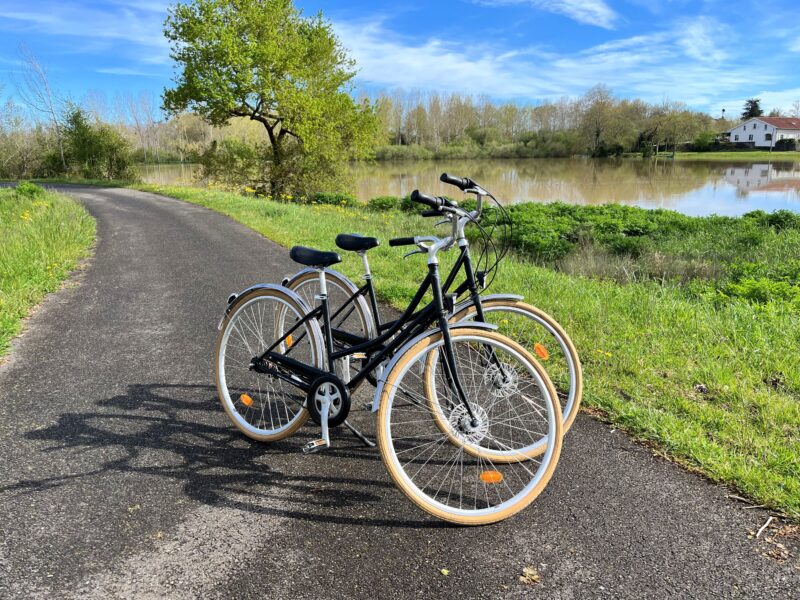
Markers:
(325, 441)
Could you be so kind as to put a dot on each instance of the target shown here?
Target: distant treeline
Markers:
(427, 125)
(46, 136)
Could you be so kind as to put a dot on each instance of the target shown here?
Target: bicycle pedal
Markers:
(315, 446)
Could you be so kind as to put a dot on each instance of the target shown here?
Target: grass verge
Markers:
(714, 386)
(42, 238)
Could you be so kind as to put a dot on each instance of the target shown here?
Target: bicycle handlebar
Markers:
(436, 203)
(404, 241)
(462, 183)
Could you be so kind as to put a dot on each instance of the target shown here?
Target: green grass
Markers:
(743, 155)
(645, 346)
(42, 238)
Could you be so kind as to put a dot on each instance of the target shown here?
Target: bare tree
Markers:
(37, 93)
(796, 109)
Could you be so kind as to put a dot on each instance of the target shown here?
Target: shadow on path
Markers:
(172, 431)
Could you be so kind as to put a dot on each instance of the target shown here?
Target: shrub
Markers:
(762, 290)
(413, 152)
(786, 144)
(778, 220)
(704, 141)
(382, 203)
(29, 190)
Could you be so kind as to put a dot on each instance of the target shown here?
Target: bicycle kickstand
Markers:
(367, 442)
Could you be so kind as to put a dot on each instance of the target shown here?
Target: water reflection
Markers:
(696, 187)
(764, 178)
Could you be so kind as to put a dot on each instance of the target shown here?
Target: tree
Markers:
(94, 150)
(796, 108)
(752, 108)
(262, 60)
(36, 91)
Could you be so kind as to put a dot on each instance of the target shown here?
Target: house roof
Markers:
(782, 122)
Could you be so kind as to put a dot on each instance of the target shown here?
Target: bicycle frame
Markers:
(470, 284)
(398, 333)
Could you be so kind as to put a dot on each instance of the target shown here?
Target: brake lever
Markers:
(413, 252)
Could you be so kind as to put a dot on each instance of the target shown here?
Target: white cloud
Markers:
(651, 66)
(699, 38)
(124, 21)
(590, 12)
(795, 45)
(127, 72)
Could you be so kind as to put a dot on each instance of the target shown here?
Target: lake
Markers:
(690, 187)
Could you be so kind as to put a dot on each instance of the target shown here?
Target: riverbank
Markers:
(713, 385)
(43, 236)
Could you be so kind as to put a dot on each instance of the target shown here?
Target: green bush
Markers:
(382, 203)
(762, 290)
(704, 141)
(413, 152)
(786, 144)
(779, 220)
(26, 189)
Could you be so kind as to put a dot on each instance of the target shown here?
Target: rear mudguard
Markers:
(289, 279)
(376, 400)
(234, 299)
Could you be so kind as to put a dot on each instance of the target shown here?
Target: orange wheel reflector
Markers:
(491, 477)
(541, 351)
(246, 400)
(289, 341)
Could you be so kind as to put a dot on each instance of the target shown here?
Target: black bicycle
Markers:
(469, 424)
(355, 309)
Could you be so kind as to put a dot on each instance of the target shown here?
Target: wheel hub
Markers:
(502, 380)
(465, 428)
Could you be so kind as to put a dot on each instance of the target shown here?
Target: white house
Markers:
(765, 132)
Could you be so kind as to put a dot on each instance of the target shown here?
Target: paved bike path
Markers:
(120, 475)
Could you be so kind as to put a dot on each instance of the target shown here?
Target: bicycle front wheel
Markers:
(441, 476)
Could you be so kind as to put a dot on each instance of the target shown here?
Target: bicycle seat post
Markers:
(365, 262)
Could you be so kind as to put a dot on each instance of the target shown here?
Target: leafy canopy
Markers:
(752, 108)
(262, 60)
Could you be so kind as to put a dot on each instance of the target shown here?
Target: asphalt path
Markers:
(120, 475)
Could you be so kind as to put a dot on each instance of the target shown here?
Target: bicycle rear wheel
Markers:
(265, 407)
(440, 476)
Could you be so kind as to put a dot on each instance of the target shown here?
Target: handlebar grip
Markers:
(432, 213)
(419, 197)
(462, 183)
(405, 241)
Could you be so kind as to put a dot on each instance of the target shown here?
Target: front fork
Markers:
(449, 355)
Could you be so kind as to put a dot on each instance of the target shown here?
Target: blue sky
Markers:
(710, 54)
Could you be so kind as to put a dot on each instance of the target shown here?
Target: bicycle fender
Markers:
(289, 279)
(465, 303)
(376, 400)
(234, 299)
